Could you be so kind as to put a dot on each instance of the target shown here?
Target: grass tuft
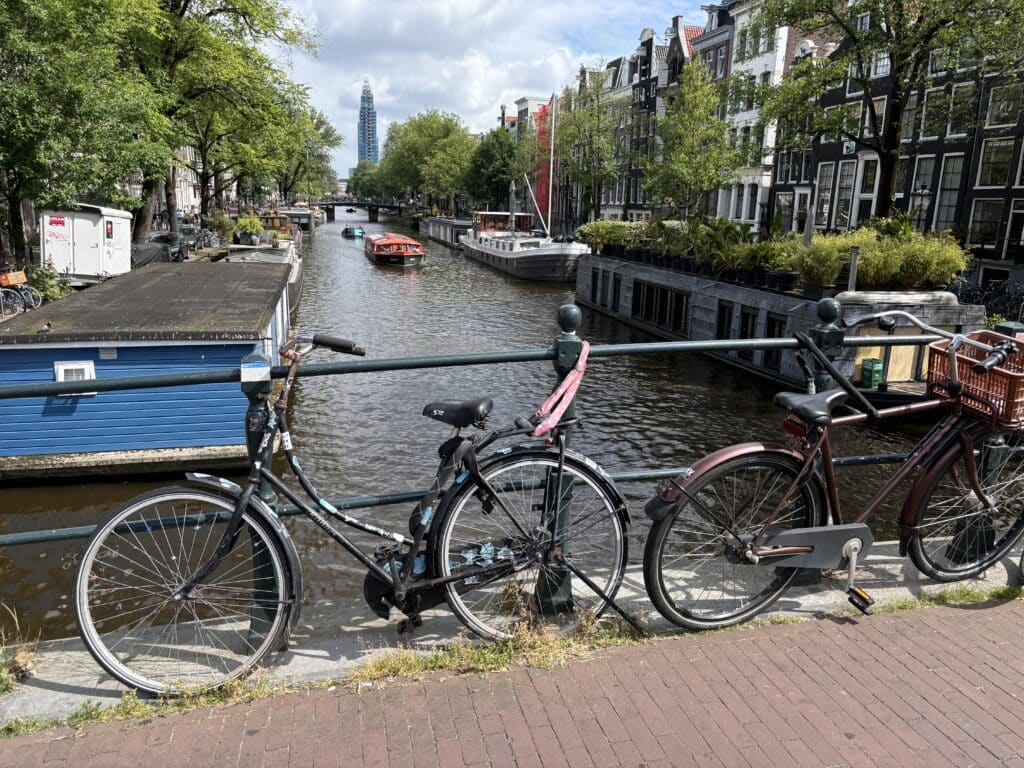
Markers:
(17, 654)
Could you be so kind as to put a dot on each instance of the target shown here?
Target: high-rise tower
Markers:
(367, 125)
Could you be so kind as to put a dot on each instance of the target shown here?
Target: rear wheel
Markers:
(692, 567)
(11, 303)
(509, 538)
(954, 535)
(137, 624)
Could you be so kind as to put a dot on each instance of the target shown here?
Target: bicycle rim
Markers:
(691, 567)
(955, 536)
(535, 591)
(129, 575)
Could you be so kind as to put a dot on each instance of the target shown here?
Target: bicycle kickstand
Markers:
(600, 593)
(859, 599)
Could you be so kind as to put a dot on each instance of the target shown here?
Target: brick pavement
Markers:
(931, 687)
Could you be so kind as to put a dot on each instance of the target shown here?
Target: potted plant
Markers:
(819, 264)
(248, 229)
(783, 266)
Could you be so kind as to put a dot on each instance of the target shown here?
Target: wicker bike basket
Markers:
(1003, 386)
(7, 279)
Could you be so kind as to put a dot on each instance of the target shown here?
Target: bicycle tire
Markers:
(675, 586)
(132, 567)
(37, 297)
(474, 529)
(953, 537)
(11, 303)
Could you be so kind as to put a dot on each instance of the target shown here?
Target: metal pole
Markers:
(851, 283)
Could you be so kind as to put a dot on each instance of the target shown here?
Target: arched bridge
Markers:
(373, 208)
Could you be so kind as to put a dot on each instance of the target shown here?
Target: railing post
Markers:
(256, 386)
(554, 583)
(828, 336)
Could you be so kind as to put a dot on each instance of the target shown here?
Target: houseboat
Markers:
(446, 230)
(389, 248)
(506, 242)
(286, 254)
(162, 318)
(352, 232)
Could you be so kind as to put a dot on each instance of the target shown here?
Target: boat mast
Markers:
(551, 162)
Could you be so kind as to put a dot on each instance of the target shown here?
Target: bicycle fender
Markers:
(266, 515)
(657, 508)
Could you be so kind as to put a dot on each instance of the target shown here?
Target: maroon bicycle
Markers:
(732, 532)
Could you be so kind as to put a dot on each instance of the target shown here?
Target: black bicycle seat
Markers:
(459, 414)
(812, 409)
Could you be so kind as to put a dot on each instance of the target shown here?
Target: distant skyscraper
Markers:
(367, 125)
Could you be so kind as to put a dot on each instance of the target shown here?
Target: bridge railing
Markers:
(563, 353)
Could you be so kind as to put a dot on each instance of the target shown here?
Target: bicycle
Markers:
(731, 533)
(11, 303)
(190, 587)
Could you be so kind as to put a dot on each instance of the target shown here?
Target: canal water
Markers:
(364, 433)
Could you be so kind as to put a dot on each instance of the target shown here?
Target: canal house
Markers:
(161, 319)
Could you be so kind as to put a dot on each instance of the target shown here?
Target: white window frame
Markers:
(931, 62)
(851, 82)
(834, 214)
(938, 189)
(823, 223)
(826, 138)
(865, 120)
(1018, 180)
(863, 22)
(913, 187)
(879, 57)
(981, 162)
(924, 113)
(914, 117)
(61, 367)
(970, 221)
(952, 105)
(988, 109)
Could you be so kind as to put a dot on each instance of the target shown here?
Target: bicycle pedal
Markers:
(408, 624)
(860, 600)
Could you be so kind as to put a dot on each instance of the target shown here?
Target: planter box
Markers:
(817, 292)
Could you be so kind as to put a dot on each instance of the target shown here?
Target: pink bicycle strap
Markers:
(553, 408)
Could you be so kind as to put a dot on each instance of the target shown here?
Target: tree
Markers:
(365, 181)
(446, 169)
(586, 140)
(492, 167)
(409, 147)
(73, 117)
(306, 166)
(695, 154)
(884, 49)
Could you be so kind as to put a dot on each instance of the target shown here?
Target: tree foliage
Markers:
(884, 48)
(365, 180)
(429, 153)
(492, 167)
(696, 155)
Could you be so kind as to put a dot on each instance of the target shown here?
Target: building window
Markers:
(879, 113)
(844, 193)
(902, 166)
(741, 45)
(864, 22)
(985, 216)
(937, 62)
(961, 110)
(949, 191)
(752, 203)
(737, 211)
(723, 52)
(921, 192)
(934, 113)
(1004, 105)
(994, 170)
(908, 120)
(829, 136)
(784, 210)
(866, 190)
(794, 167)
(75, 370)
(855, 80)
(881, 65)
(824, 192)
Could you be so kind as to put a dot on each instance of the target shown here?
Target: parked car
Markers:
(191, 234)
(176, 244)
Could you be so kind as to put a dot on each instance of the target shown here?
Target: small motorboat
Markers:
(389, 248)
(352, 232)
(350, 210)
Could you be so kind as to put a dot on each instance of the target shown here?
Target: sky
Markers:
(463, 56)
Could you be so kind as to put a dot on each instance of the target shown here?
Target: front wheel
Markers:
(954, 536)
(11, 303)
(694, 569)
(510, 545)
(134, 619)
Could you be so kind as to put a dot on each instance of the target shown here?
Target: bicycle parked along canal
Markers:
(731, 533)
(190, 587)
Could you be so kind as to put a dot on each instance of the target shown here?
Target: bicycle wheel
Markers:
(478, 530)
(692, 571)
(10, 303)
(954, 537)
(137, 627)
(36, 296)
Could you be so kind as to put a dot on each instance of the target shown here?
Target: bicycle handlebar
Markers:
(919, 323)
(301, 343)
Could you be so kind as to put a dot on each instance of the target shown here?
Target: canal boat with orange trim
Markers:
(390, 249)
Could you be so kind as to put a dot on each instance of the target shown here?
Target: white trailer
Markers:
(88, 245)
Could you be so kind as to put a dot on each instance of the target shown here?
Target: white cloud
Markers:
(462, 56)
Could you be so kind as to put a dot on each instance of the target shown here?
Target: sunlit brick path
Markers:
(929, 687)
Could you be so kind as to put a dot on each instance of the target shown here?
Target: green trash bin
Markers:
(871, 373)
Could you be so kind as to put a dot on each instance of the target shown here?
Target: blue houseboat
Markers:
(163, 318)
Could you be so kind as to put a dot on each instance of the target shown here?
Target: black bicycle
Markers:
(186, 588)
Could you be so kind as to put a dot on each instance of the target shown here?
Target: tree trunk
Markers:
(170, 192)
(143, 222)
(597, 202)
(18, 244)
(887, 164)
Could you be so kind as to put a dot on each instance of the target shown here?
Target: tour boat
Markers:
(389, 248)
(506, 242)
(352, 232)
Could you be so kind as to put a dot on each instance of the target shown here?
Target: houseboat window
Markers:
(616, 291)
(775, 328)
(604, 288)
(594, 277)
(680, 317)
(723, 322)
(748, 330)
(75, 370)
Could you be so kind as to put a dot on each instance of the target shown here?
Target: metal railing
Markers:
(564, 354)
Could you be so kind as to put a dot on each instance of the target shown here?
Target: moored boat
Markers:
(287, 254)
(389, 248)
(513, 248)
(352, 232)
(350, 210)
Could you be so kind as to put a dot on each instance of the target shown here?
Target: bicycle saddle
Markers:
(812, 409)
(459, 414)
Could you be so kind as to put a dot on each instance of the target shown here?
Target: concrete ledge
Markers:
(125, 462)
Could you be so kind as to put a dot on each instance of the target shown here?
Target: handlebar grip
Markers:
(998, 357)
(338, 345)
